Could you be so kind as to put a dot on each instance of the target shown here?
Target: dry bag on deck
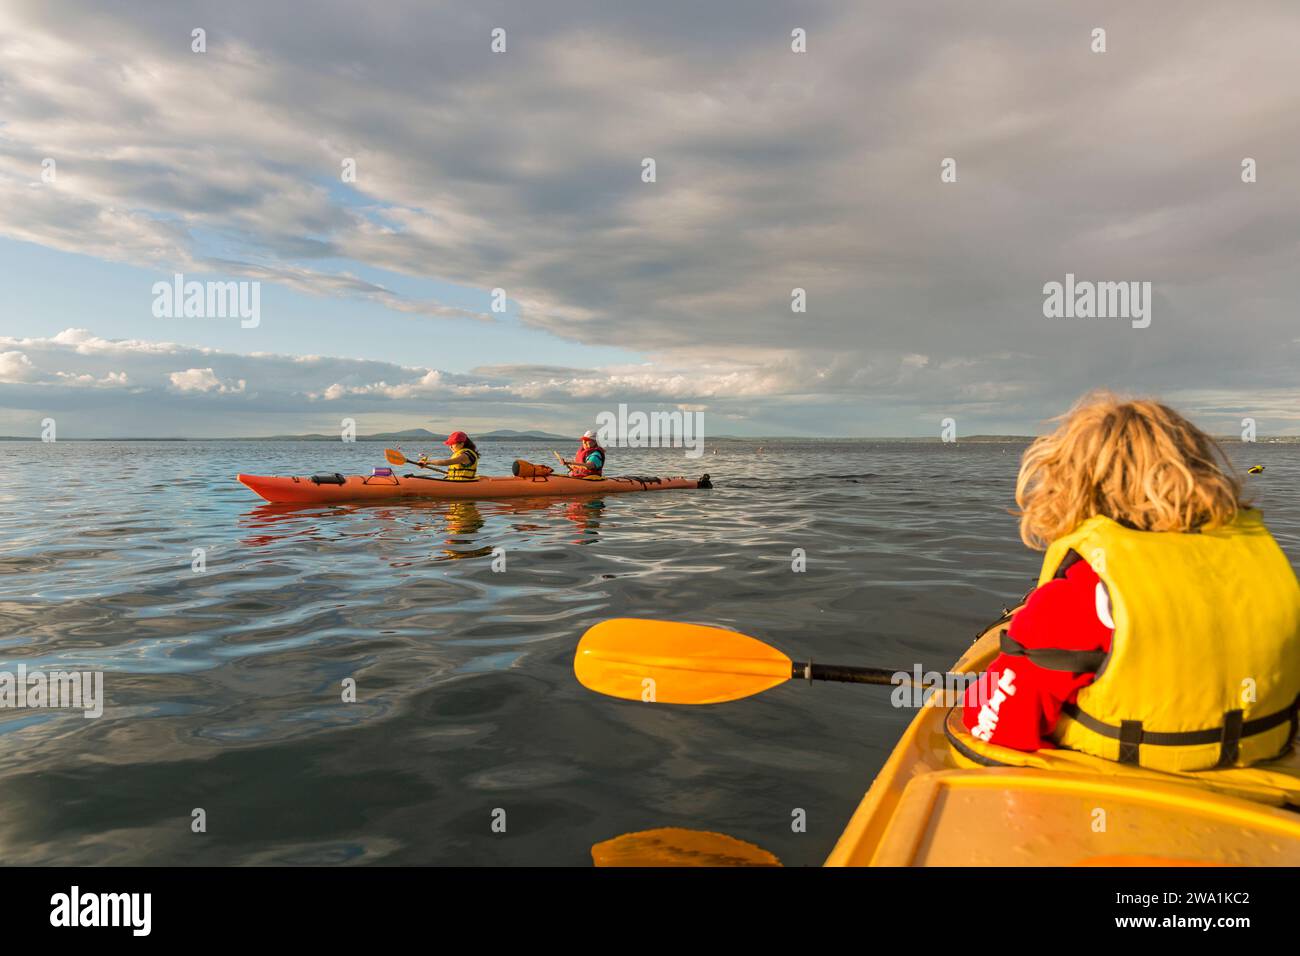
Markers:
(526, 469)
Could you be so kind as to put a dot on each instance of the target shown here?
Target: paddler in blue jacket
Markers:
(589, 462)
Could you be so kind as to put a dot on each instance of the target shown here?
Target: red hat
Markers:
(456, 438)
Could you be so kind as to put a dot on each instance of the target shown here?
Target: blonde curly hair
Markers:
(1135, 461)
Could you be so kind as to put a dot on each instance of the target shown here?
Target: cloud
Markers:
(775, 171)
(16, 367)
(109, 380)
(204, 380)
(893, 393)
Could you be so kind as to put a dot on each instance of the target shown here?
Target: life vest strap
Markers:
(1230, 748)
(1131, 734)
(1130, 741)
(1053, 658)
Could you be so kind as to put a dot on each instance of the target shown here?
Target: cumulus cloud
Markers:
(204, 380)
(16, 367)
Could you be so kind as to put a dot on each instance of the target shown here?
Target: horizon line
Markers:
(384, 436)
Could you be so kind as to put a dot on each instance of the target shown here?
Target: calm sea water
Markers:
(223, 687)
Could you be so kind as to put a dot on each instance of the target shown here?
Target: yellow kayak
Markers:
(933, 804)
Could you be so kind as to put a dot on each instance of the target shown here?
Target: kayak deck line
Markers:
(930, 806)
(294, 489)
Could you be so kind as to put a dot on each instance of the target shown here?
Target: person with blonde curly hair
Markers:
(1165, 627)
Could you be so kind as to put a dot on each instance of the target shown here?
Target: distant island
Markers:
(418, 434)
(409, 434)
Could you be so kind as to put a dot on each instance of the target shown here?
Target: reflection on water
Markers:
(457, 523)
(457, 622)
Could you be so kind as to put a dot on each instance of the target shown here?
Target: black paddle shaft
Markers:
(806, 670)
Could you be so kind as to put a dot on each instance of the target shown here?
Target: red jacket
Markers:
(1064, 613)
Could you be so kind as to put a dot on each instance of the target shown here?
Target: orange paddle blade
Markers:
(674, 846)
(394, 457)
(669, 663)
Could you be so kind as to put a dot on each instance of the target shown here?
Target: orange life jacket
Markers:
(580, 459)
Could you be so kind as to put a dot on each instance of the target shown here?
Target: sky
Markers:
(128, 157)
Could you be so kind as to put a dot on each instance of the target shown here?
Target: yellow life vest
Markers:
(1204, 665)
(464, 472)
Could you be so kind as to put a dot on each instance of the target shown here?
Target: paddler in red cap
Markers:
(463, 463)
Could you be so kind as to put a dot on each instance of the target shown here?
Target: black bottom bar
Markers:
(674, 907)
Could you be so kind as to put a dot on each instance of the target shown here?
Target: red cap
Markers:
(456, 438)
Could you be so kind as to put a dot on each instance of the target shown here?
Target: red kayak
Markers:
(330, 488)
